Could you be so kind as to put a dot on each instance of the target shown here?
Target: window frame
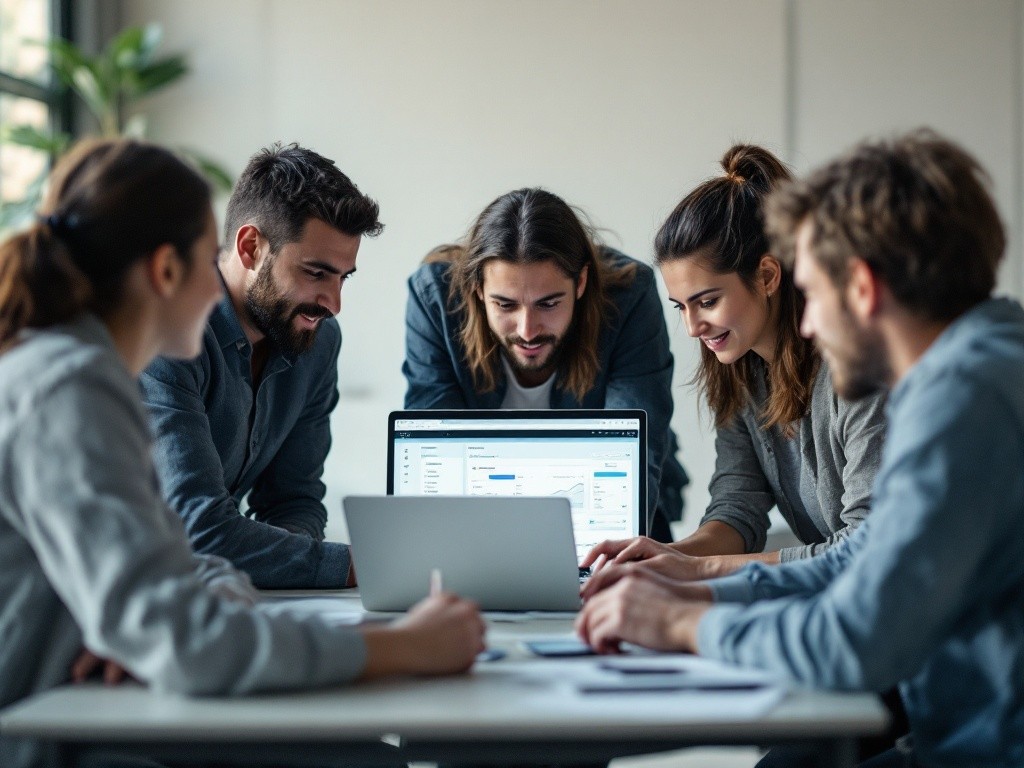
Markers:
(56, 96)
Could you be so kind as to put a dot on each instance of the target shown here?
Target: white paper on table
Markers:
(558, 683)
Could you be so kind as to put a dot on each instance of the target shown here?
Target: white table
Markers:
(517, 709)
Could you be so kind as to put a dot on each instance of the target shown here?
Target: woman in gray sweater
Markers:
(783, 437)
(93, 566)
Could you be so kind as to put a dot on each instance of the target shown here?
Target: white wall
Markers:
(435, 107)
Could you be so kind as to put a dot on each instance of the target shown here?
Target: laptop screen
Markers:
(597, 459)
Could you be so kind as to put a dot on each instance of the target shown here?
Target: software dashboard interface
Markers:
(595, 462)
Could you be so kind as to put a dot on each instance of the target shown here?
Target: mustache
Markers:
(535, 340)
(311, 310)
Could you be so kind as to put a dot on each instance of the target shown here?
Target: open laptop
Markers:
(595, 458)
(508, 554)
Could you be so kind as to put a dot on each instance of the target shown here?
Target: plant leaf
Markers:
(147, 79)
(152, 34)
(65, 58)
(89, 86)
(125, 49)
(36, 138)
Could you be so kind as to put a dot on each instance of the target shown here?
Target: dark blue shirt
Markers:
(220, 438)
(635, 366)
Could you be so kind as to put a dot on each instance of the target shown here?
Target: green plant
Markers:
(109, 83)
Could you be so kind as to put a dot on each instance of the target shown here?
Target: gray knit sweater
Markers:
(840, 446)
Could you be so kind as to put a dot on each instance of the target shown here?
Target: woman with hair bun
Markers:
(96, 574)
(783, 437)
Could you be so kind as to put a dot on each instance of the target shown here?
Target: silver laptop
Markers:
(508, 554)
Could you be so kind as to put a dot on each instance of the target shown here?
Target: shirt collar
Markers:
(228, 330)
(226, 325)
(988, 311)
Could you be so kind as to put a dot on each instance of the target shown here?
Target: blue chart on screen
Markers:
(596, 459)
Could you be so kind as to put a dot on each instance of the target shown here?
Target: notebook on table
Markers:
(597, 459)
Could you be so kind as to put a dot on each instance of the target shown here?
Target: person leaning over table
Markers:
(783, 437)
(531, 312)
(121, 268)
(249, 418)
(897, 246)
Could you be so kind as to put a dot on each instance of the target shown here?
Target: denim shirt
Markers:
(634, 367)
(929, 590)
(218, 439)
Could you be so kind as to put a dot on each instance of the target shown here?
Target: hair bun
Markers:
(751, 164)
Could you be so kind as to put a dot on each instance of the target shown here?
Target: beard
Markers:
(859, 365)
(274, 315)
(548, 364)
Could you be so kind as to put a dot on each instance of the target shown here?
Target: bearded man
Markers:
(250, 417)
(530, 311)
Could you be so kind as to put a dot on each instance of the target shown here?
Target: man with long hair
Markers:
(530, 312)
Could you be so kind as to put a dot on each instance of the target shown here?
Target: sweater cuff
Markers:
(335, 562)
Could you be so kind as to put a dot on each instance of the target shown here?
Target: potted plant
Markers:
(108, 84)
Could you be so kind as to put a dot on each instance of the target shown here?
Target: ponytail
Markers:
(110, 203)
(39, 284)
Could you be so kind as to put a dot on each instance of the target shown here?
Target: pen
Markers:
(436, 584)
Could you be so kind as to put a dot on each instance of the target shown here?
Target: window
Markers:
(28, 97)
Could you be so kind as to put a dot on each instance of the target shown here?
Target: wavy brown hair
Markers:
(916, 208)
(721, 222)
(527, 226)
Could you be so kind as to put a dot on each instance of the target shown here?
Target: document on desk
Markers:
(668, 674)
(692, 687)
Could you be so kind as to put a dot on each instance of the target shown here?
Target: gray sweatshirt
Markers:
(839, 448)
(91, 557)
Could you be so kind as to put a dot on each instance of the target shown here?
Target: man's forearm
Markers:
(716, 566)
(713, 538)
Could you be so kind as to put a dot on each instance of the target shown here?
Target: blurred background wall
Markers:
(435, 107)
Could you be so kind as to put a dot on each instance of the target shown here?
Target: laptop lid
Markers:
(595, 458)
(508, 554)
